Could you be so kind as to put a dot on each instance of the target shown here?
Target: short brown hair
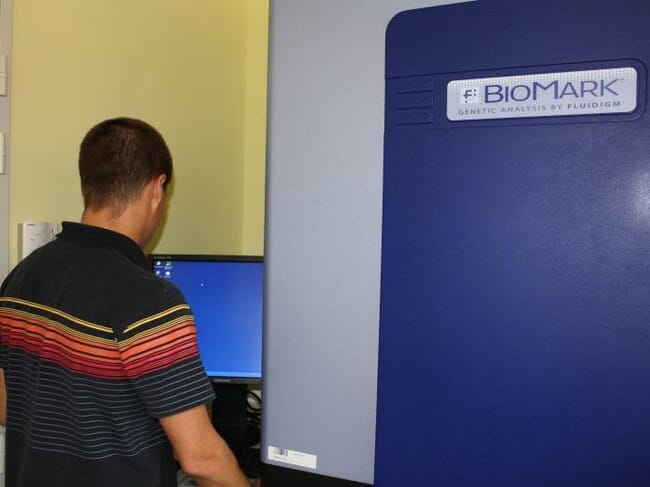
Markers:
(117, 159)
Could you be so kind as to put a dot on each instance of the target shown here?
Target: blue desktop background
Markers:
(226, 299)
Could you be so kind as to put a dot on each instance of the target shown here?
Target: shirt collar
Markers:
(102, 237)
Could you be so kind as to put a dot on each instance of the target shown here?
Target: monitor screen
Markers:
(226, 295)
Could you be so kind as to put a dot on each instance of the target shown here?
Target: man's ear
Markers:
(159, 187)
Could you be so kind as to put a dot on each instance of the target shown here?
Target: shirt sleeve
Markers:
(4, 351)
(160, 357)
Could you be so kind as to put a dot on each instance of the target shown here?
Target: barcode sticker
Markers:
(292, 457)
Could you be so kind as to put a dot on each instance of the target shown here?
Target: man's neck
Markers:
(124, 223)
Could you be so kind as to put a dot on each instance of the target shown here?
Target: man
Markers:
(104, 386)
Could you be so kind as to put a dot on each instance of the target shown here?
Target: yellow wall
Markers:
(255, 127)
(196, 70)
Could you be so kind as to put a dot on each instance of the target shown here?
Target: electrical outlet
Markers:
(32, 235)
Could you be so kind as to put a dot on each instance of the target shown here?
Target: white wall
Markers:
(325, 158)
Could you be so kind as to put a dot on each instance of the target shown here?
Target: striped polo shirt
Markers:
(95, 349)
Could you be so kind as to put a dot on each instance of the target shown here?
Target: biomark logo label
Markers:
(590, 92)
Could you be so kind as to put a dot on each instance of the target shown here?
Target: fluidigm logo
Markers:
(469, 95)
(589, 92)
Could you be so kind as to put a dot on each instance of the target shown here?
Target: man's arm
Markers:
(201, 452)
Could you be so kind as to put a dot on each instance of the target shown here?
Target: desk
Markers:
(184, 480)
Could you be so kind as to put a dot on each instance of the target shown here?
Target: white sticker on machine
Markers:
(292, 457)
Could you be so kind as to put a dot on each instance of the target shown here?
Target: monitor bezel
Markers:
(254, 259)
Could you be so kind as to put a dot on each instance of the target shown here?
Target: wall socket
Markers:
(31, 235)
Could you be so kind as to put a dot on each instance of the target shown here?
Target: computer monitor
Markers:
(226, 295)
